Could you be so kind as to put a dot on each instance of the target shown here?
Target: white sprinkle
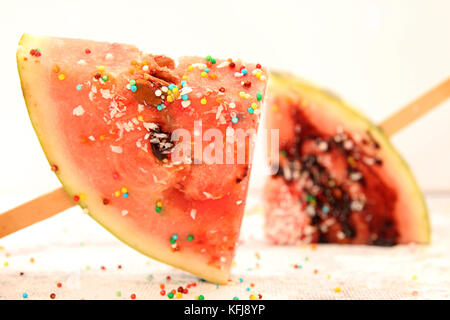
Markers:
(238, 74)
(158, 93)
(232, 105)
(185, 90)
(78, 111)
(164, 89)
(92, 138)
(238, 202)
(81, 62)
(193, 213)
(85, 211)
(109, 56)
(145, 68)
(124, 213)
(223, 64)
(140, 108)
(106, 94)
(186, 103)
(223, 259)
(116, 149)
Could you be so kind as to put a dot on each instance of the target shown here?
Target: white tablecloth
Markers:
(71, 249)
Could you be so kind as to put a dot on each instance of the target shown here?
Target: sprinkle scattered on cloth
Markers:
(71, 257)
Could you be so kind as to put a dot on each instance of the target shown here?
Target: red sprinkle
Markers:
(180, 289)
(59, 284)
(54, 168)
(115, 175)
(133, 296)
(222, 89)
(232, 65)
(52, 296)
(103, 268)
(105, 201)
(247, 84)
(76, 198)
(87, 51)
(162, 292)
(258, 66)
(168, 278)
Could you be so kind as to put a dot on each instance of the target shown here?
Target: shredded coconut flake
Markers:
(78, 111)
(193, 213)
(116, 149)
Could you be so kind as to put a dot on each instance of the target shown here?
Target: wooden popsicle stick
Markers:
(34, 211)
(58, 200)
(416, 108)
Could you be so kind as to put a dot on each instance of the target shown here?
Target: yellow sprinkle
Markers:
(124, 190)
(190, 68)
(179, 295)
(253, 297)
(254, 105)
(203, 101)
(414, 277)
(337, 289)
(6, 263)
(62, 76)
(329, 277)
(184, 77)
(140, 118)
(204, 74)
(82, 196)
(102, 137)
(159, 204)
(101, 68)
(170, 98)
(117, 193)
(175, 90)
(258, 74)
(242, 94)
(55, 69)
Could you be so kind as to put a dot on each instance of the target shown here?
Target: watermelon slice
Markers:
(338, 179)
(106, 115)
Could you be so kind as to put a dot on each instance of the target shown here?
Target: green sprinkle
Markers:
(208, 58)
(172, 241)
(105, 78)
(190, 237)
(150, 277)
(236, 298)
(201, 297)
(118, 293)
(170, 295)
(132, 82)
(88, 267)
(259, 96)
(158, 209)
(213, 61)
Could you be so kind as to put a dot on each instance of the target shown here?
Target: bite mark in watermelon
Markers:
(105, 114)
(339, 179)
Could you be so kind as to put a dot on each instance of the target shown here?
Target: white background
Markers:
(378, 55)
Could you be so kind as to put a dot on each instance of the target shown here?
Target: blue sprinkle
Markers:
(183, 83)
(174, 236)
(241, 280)
(79, 87)
(234, 120)
(133, 88)
(160, 107)
(250, 110)
(206, 70)
(244, 71)
(248, 289)
(25, 295)
(171, 86)
(325, 209)
(185, 97)
(125, 195)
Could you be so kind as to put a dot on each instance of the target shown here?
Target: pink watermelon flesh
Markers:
(339, 180)
(95, 108)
